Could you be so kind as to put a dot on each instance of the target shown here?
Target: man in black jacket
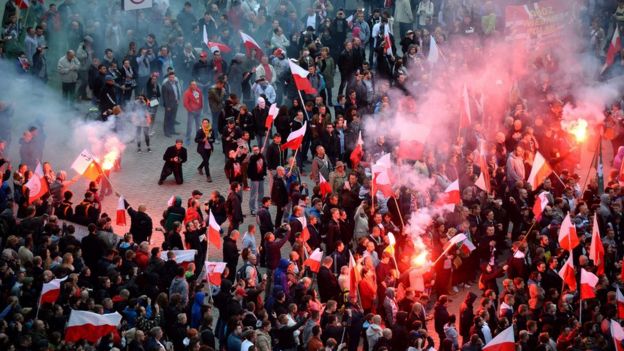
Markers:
(140, 223)
(92, 247)
(256, 171)
(88, 211)
(274, 157)
(279, 194)
(233, 207)
(174, 157)
(346, 65)
(327, 281)
(231, 253)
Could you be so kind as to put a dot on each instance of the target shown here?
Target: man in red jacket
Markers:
(193, 103)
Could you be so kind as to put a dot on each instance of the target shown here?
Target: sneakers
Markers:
(253, 213)
(149, 150)
(209, 179)
(455, 289)
(200, 170)
(160, 182)
(139, 150)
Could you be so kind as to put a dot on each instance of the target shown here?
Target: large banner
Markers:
(538, 22)
(136, 4)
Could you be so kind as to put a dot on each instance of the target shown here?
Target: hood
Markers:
(178, 201)
(283, 264)
(199, 298)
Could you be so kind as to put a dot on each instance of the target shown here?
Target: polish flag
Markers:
(121, 211)
(588, 284)
(618, 335)
(388, 44)
(381, 182)
(539, 171)
(182, 257)
(620, 302)
(451, 194)
(467, 246)
(295, 138)
(86, 165)
(91, 326)
(465, 115)
(504, 341)
(358, 152)
(250, 44)
(214, 270)
(567, 273)
(354, 276)
(50, 291)
(540, 204)
(22, 4)
(615, 46)
(37, 184)
(412, 141)
(434, 51)
(324, 186)
(214, 231)
(483, 182)
(300, 76)
(273, 110)
(314, 261)
(214, 46)
(596, 250)
(305, 233)
(568, 239)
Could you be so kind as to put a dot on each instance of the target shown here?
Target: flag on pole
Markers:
(250, 44)
(324, 186)
(86, 165)
(381, 182)
(354, 276)
(388, 44)
(588, 284)
(182, 257)
(89, 326)
(567, 273)
(600, 169)
(412, 141)
(618, 335)
(615, 46)
(596, 250)
(540, 170)
(305, 233)
(568, 239)
(391, 242)
(51, 290)
(483, 181)
(467, 246)
(504, 341)
(314, 261)
(22, 4)
(214, 270)
(300, 76)
(273, 111)
(120, 217)
(434, 51)
(214, 231)
(214, 46)
(451, 194)
(540, 204)
(358, 152)
(37, 185)
(465, 115)
(295, 138)
(620, 302)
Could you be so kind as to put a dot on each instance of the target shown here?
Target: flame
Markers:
(420, 259)
(578, 128)
(109, 159)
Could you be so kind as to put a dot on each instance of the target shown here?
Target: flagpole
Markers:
(400, 215)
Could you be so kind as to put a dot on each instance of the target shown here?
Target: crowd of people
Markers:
(367, 61)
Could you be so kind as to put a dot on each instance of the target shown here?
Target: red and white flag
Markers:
(596, 250)
(89, 326)
(22, 4)
(568, 239)
(354, 276)
(314, 261)
(483, 181)
(412, 141)
(305, 233)
(273, 111)
(37, 184)
(295, 138)
(214, 231)
(540, 170)
(324, 186)
(620, 302)
(214, 270)
(182, 257)
(567, 273)
(504, 341)
(615, 46)
(588, 284)
(214, 46)
(51, 290)
(86, 165)
(300, 76)
(467, 246)
(451, 195)
(465, 115)
(388, 44)
(381, 182)
(250, 44)
(358, 152)
(540, 204)
(618, 335)
(120, 217)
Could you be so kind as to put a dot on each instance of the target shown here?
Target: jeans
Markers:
(145, 131)
(169, 123)
(256, 194)
(205, 154)
(192, 116)
(69, 90)
(279, 216)
(215, 124)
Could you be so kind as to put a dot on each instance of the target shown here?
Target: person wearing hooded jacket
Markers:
(466, 316)
(196, 309)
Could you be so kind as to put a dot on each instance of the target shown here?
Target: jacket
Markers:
(200, 137)
(279, 194)
(68, 70)
(193, 100)
(328, 285)
(257, 169)
(140, 224)
(274, 156)
(230, 253)
(403, 12)
(170, 100)
(233, 207)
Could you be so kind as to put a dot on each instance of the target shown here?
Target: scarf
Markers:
(207, 130)
(267, 72)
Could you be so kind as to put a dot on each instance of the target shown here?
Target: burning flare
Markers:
(109, 159)
(578, 128)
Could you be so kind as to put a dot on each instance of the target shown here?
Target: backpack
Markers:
(241, 273)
